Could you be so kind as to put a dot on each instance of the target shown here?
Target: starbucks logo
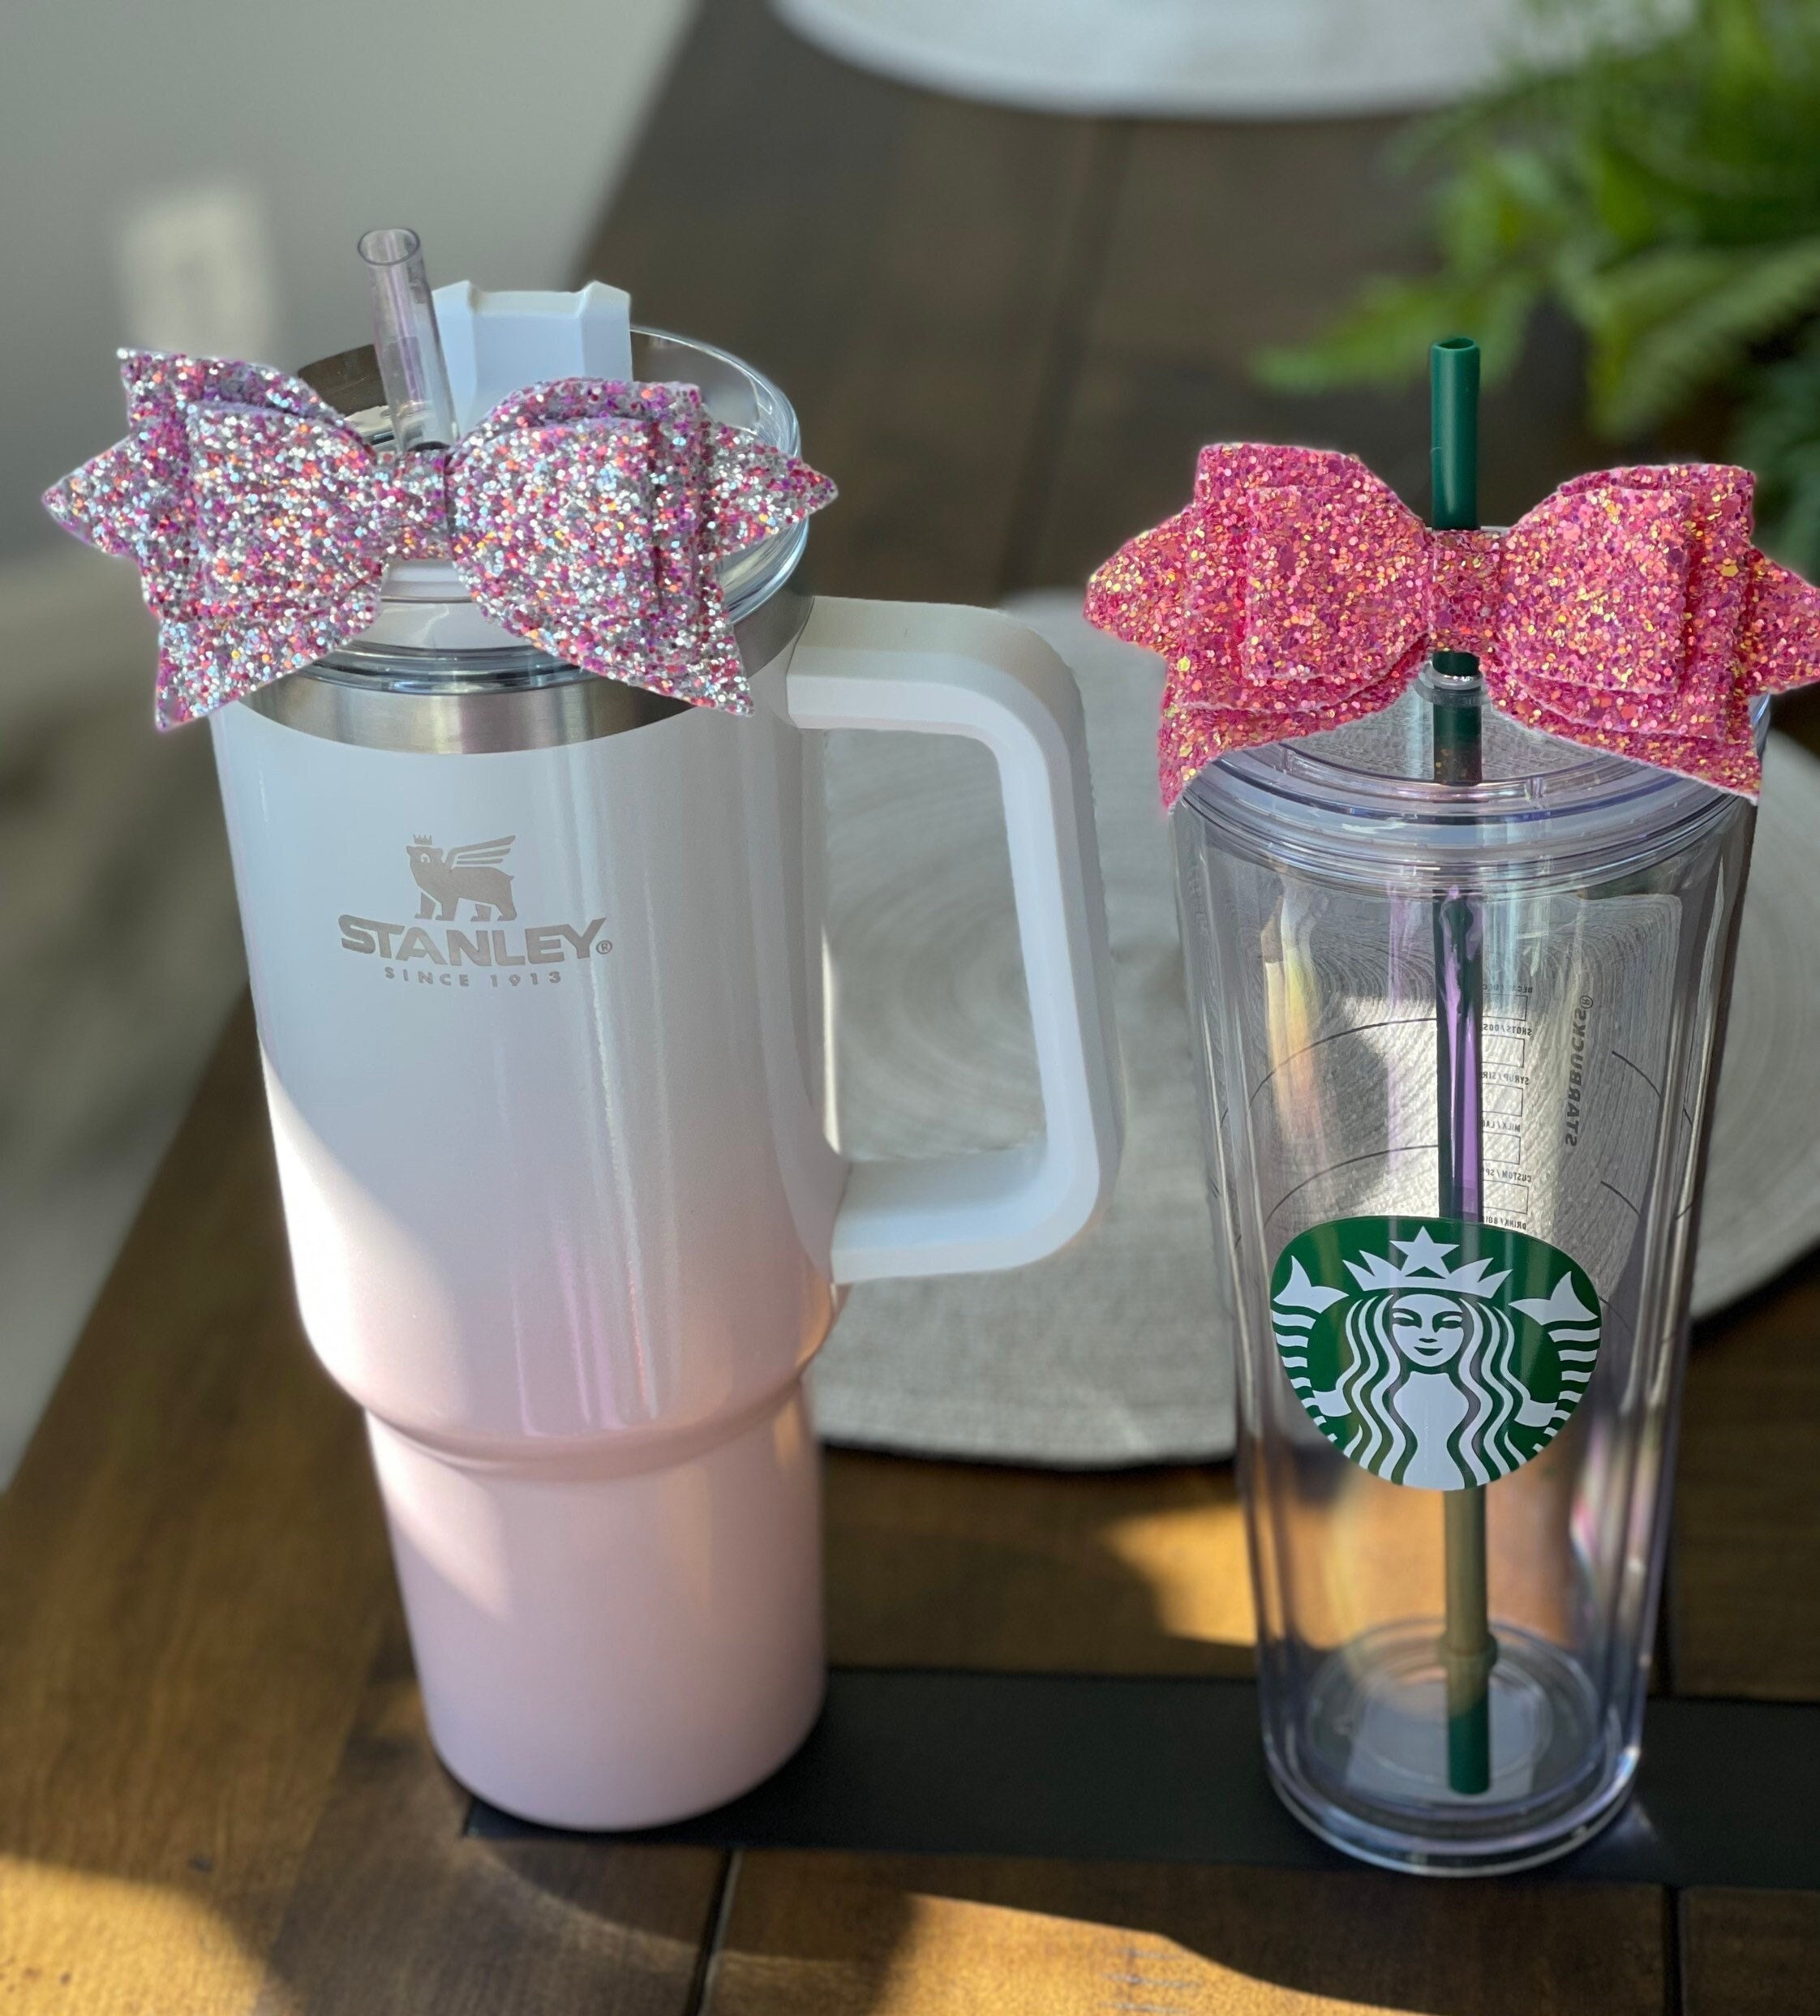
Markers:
(1431, 1352)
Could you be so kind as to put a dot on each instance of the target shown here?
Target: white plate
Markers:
(1195, 58)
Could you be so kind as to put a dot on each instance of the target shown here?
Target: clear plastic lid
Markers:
(1360, 802)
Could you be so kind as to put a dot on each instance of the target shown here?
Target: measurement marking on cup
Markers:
(1643, 1074)
(1504, 1087)
(1333, 1168)
(1334, 1035)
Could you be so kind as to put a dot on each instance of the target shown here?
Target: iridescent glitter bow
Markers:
(1629, 611)
(585, 516)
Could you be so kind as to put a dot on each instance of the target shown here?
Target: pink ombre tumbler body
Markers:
(536, 962)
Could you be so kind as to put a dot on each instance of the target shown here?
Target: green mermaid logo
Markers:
(1434, 1353)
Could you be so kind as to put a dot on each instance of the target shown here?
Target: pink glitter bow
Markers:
(585, 516)
(1629, 611)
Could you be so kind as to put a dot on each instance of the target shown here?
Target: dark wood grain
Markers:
(845, 1936)
(1745, 1573)
(1007, 335)
(396, 1911)
(897, 261)
(1225, 239)
(950, 1564)
(1749, 1953)
(193, 1578)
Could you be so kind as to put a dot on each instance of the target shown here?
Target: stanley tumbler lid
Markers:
(426, 609)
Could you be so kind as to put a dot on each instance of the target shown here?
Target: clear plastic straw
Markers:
(404, 338)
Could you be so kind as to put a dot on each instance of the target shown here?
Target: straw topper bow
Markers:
(586, 516)
(1628, 611)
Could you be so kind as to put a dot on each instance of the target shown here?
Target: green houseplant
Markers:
(1665, 193)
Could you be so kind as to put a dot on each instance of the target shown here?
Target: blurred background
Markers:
(1013, 259)
(193, 175)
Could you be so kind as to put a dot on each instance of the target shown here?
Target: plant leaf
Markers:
(1384, 339)
(1665, 191)
(1665, 323)
(1778, 435)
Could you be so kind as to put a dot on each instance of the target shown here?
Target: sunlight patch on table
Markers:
(1192, 1560)
(72, 1940)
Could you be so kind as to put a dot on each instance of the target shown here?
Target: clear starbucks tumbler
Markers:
(1456, 1411)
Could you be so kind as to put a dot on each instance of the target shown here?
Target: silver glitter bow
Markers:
(587, 516)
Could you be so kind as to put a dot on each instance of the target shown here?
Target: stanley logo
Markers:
(443, 948)
(450, 876)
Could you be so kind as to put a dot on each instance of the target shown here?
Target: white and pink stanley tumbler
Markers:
(537, 957)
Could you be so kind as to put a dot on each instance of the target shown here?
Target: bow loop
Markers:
(555, 517)
(1328, 561)
(1292, 584)
(133, 500)
(286, 512)
(1627, 594)
(591, 517)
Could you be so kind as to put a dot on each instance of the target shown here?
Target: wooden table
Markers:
(1006, 335)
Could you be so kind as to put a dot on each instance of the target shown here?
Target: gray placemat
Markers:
(1118, 1350)
(1762, 1202)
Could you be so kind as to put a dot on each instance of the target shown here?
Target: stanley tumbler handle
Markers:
(940, 669)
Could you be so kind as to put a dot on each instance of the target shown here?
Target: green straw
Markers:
(1468, 1648)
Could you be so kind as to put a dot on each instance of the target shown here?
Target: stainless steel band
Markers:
(473, 717)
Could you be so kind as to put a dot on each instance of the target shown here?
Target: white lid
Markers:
(496, 344)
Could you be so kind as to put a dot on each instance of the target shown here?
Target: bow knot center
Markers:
(417, 485)
(1466, 585)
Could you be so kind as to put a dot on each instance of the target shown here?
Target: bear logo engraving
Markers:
(452, 876)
